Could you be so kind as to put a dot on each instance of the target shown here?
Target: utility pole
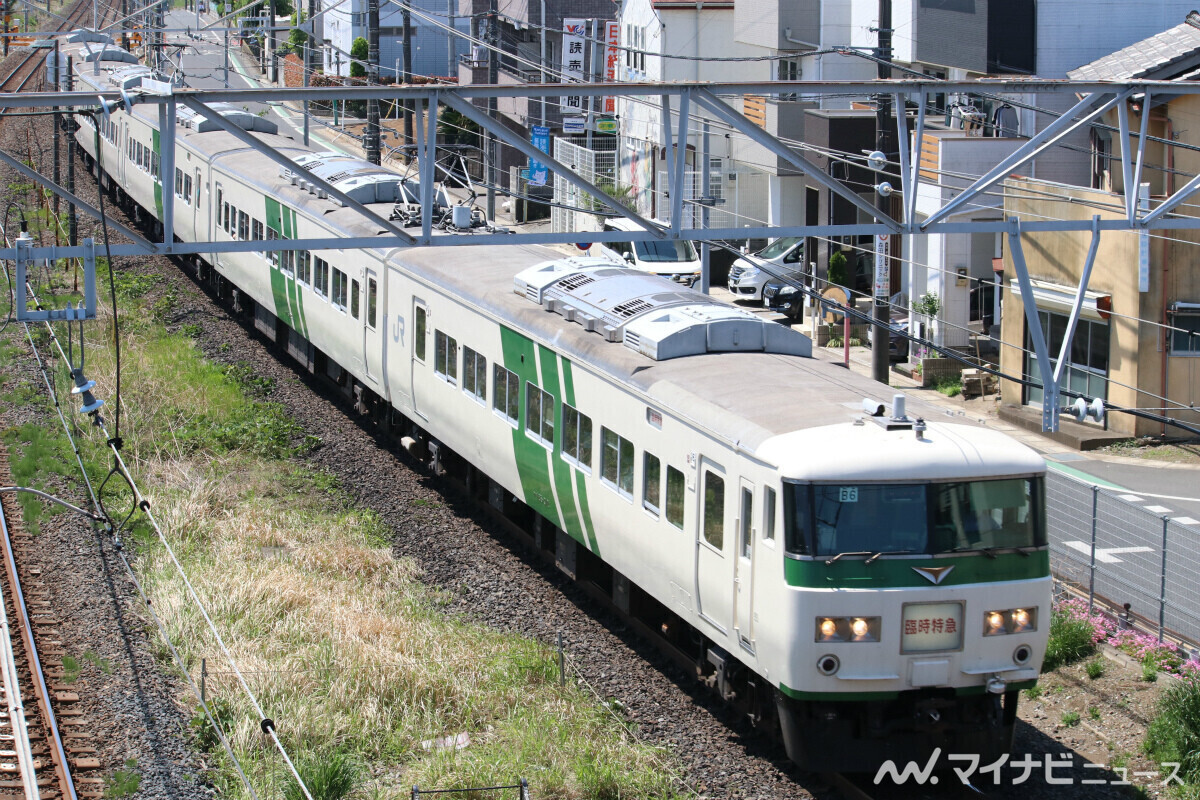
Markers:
(451, 40)
(274, 62)
(883, 124)
(706, 184)
(542, 60)
(72, 222)
(489, 141)
(406, 17)
(58, 122)
(371, 136)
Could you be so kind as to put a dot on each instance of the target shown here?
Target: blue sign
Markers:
(538, 173)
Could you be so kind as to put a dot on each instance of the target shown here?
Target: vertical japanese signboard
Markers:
(538, 173)
(883, 270)
(612, 60)
(573, 55)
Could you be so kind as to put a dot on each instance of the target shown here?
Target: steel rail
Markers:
(57, 754)
(12, 695)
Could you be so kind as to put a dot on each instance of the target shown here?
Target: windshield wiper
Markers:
(886, 553)
(990, 552)
(839, 555)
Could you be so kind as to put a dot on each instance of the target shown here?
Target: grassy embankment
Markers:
(341, 644)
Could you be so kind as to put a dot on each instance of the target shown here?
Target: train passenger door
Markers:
(714, 564)
(371, 340)
(743, 581)
(420, 340)
(198, 193)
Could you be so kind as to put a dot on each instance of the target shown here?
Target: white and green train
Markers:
(875, 583)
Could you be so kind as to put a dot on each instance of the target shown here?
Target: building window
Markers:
(789, 70)
(539, 414)
(1185, 339)
(651, 483)
(616, 462)
(675, 497)
(506, 393)
(474, 374)
(714, 509)
(1087, 370)
(339, 290)
(577, 437)
(445, 356)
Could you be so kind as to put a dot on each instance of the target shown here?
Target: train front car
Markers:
(916, 587)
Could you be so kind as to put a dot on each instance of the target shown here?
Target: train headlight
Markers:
(1013, 620)
(848, 629)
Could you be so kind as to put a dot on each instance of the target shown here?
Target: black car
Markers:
(783, 299)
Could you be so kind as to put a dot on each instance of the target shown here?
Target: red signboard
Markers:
(612, 59)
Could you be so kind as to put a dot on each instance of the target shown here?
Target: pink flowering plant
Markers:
(1073, 623)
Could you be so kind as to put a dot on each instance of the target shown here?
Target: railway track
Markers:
(29, 64)
(34, 745)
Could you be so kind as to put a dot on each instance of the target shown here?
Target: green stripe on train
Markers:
(900, 572)
(580, 484)
(289, 301)
(544, 476)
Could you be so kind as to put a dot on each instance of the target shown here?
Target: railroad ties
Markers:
(40, 722)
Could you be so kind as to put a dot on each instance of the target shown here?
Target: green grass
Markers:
(124, 782)
(949, 385)
(1095, 668)
(1094, 713)
(1070, 719)
(1149, 673)
(70, 669)
(1174, 733)
(1070, 641)
(1034, 692)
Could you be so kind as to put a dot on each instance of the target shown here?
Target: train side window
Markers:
(272, 255)
(302, 267)
(321, 287)
(225, 217)
(445, 355)
(373, 302)
(506, 392)
(243, 225)
(651, 483)
(256, 229)
(287, 262)
(768, 531)
(338, 296)
(539, 414)
(675, 493)
(419, 337)
(187, 189)
(178, 182)
(355, 291)
(154, 164)
(474, 370)
(616, 462)
(714, 509)
(577, 437)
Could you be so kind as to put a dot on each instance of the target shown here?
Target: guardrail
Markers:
(1125, 556)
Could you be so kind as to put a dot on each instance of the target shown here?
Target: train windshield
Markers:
(827, 519)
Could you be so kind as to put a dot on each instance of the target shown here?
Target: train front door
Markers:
(743, 582)
(714, 550)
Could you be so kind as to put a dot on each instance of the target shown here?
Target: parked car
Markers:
(897, 339)
(783, 257)
(677, 260)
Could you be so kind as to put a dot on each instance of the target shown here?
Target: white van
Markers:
(783, 257)
(677, 260)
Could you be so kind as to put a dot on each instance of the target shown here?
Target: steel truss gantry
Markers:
(680, 104)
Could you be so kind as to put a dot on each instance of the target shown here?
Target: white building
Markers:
(434, 50)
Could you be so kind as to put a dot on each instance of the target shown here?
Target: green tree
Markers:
(358, 52)
(297, 37)
(838, 274)
(454, 128)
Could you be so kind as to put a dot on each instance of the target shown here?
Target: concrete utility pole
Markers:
(72, 222)
(58, 123)
(406, 18)
(489, 142)
(883, 124)
(371, 137)
(274, 62)
(451, 40)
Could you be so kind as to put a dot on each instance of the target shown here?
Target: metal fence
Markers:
(598, 167)
(1119, 553)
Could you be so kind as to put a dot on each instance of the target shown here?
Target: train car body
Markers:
(878, 581)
